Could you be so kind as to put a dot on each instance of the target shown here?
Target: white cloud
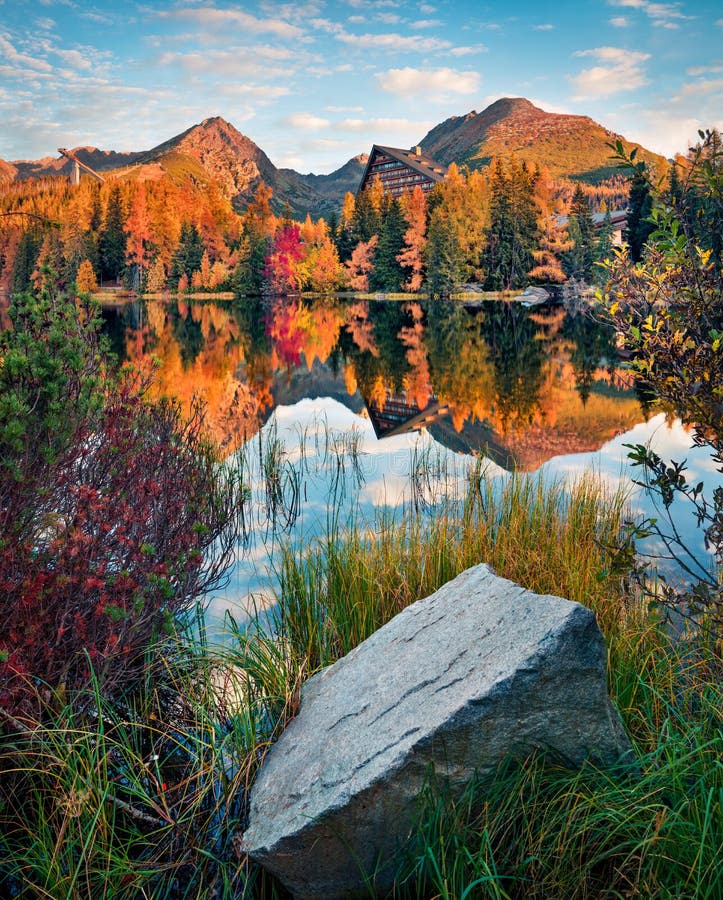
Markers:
(394, 42)
(306, 122)
(16, 58)
(229, 63)
(257, 91)
(211, 17)
(663, 15)
(432, 82)
(621, 70)
(704, 70)
(547, 106)
(327, 26)
(468, 51)
(344, 109)
(546, 27)
(697, 89)
(620, 22)
(382, 125)
(426, 23)
(75, 59)
(297, 12)
(665, 132)
(98, 18)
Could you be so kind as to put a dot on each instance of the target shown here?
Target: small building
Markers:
(401, 170)
(618, 220)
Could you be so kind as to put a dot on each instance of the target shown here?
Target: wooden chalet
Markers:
(398, 414)
(401, 170)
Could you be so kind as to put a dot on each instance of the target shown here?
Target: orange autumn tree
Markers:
(86, 281)
(322, 270)
(139, 244)
(361, 264)
(414, 209)
(554, 240)
(417, 381)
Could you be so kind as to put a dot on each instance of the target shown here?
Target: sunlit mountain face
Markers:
(496, 379)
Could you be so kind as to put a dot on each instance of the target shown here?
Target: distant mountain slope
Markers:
(570, 146)
(338, 183)
(7, 172)
(100, 160)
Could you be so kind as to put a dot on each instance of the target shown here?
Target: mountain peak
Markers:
(569, 146)
(216, 122)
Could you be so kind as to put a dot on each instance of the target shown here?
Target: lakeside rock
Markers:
(477, 671)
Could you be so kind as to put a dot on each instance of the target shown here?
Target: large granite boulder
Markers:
(456, 682)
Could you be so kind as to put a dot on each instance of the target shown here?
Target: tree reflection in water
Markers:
(495, 378)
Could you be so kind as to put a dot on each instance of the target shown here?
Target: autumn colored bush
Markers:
(667, 310)
(115, 513)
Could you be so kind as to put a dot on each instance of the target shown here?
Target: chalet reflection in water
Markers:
(514, 384)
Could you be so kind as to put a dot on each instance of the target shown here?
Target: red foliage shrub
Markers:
(281, 268)
(102, 546)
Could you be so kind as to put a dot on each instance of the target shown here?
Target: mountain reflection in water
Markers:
(516, 385)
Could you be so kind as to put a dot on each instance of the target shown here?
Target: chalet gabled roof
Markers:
(421, 163)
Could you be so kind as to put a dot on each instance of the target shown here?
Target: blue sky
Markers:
(314, 83)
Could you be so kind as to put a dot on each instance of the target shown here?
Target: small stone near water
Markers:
(455, 683)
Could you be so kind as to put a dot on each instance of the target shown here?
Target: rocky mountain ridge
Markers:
(572, 147)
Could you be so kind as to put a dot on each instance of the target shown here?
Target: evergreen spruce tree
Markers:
(91, 236)
(248, 277)
(189, 253)
(51, 269)
(443, 255)
(388, 274)
(367, 220)
(526, 231)
(578, 262)
(112, 238)
(25, 258)
(638, 229)
(674, 194)
(96, 214)
(345, 235)
(332, 225)
(604, 248)
(512, 236)
(498, 237)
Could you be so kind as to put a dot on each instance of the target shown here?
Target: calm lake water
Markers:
(357, 407)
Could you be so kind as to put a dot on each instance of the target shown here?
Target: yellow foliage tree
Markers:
(156, 277)
(85, 279)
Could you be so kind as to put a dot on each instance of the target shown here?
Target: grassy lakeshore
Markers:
(146, 798)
